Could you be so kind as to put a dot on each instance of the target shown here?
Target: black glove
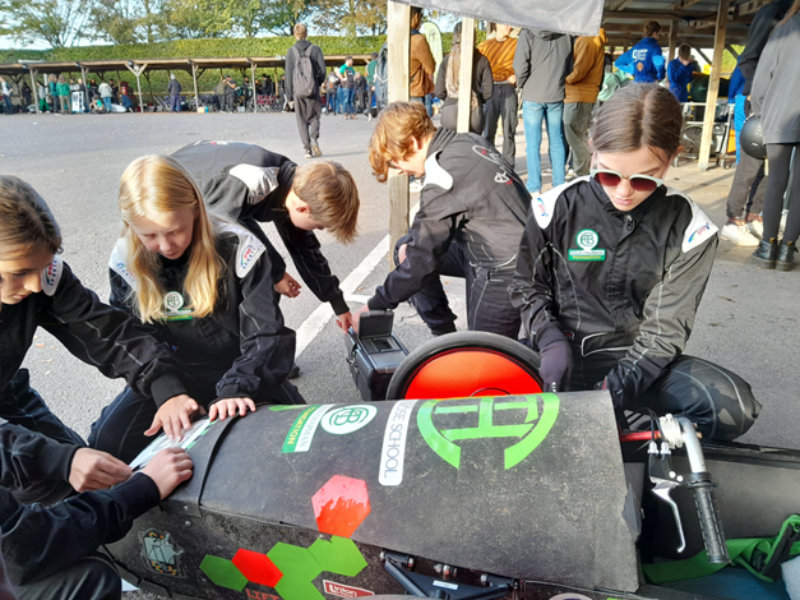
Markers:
(624, 385)
(556, 357)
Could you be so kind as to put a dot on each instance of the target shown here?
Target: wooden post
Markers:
(465, 75)
(34, 89)
(137, 70)
(713, 88)
(194, 80)
(673, 30)
(253, 86)
(399, 44)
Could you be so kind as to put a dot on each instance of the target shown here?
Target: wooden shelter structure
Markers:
(717, 24)
(194, 66)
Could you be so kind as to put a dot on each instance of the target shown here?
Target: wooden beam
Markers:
(399, 45)
(713, 88)
(465, 75)
(684, 4)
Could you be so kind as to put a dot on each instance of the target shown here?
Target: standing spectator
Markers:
(745, 226)
(371, 66)
(680, 72)
(284, 99)
(9, 108)
(125, 96)
(105, 91)
(499, 50)
(582, 86)
(541, 63)
(776, 87)
(347, 83)
(332, 90)
(62, 89)
(361, 94)
(27, 98)
(305, 72)
(114, 91)
(229, 94)
(421, 61)
(174, 91)
(82, 91)
(52, 92)
(94, 93)
(644, 62)
(447, 86)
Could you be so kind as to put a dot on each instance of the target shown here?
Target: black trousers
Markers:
(308, 112)
(488, 302)
(781, 164)
(749, 187)
(503, 103)
(719, 401)
(89, 578)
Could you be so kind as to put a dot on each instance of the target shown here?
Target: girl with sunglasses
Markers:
(611, 270)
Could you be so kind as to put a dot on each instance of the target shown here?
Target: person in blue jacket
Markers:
(644, 62)
(680, 72)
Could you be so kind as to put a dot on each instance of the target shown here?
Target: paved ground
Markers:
(747, 321)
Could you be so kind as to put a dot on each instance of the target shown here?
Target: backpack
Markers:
(381, 78)
(304, 84)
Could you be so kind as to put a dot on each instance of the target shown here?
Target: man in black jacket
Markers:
(471, 216)
(50, 552)
(307, 103)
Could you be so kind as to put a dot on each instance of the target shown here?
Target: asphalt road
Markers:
(748, 320)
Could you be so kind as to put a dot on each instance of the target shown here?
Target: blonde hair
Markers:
(158, 184)
(399, 124)
(331, 194)
(26, 222)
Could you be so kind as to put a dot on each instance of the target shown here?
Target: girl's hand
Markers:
(288, 286)
(345, 321)
(175, 416)
(230, 407)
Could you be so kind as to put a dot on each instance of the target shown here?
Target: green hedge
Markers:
(155, 81)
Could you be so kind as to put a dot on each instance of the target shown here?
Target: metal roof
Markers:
(692, 22)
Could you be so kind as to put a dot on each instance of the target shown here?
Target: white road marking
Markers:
(318, 319)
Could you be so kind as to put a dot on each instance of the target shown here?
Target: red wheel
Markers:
(463, 364)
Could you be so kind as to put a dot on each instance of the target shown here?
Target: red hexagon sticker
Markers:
(257, 567)
(341, 505)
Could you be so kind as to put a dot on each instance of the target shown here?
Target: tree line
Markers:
(66, 23)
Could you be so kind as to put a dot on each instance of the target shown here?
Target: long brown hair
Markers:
(26, 222)
(639, 115)
(157, 184)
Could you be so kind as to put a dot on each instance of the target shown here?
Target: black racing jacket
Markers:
(246, 182)
(39, 541)
(471, 197)
(243, 349)
(622, 282)
(96, 333)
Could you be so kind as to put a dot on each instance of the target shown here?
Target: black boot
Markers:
(766, 254)
(785, 260)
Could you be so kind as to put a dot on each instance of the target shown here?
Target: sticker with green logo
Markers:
(348, 418)
(587, 239)
(301, 433)
(533, 416)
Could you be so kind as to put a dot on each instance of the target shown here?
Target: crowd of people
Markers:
(600, 275)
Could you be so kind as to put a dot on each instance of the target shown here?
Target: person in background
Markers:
(580, 94)
(174, 91)
(611, 271)
(6, 91)
(744, 225)
(645, 61)
(542, 61)
(62, 90)
(307, 103)
(499, 51)
(448, 86)
(421, 61)
(104, 89)
(347, 85)
(680, 72)
(776, 87)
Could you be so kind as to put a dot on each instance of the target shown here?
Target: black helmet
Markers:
(751, 137)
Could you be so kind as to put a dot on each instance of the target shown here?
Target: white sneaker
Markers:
(756, 228)
(738, 234)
